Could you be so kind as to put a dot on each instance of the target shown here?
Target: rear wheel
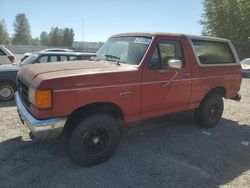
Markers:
(7, 91)
(210, 111)
(93, 140)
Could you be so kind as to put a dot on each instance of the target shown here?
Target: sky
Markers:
(96, 20)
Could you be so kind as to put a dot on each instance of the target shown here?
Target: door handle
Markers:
(126, 94)
(163, 71)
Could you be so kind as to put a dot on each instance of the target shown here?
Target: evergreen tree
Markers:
(35, 42)
(54, 37)
(66, 37)
(22, 30)
(4, 36)
(59, 37)
(71, 37)
(44, 39)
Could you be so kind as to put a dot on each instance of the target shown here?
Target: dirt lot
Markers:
(166, 152)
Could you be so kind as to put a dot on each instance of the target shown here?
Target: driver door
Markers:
(166, 88)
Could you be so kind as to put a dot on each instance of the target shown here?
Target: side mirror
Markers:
(175, 64)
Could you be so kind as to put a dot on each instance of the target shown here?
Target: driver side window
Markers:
(165, 51)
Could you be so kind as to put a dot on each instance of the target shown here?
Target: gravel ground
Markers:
(165, 152)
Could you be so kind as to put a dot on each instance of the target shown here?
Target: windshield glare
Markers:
(246, 62)
(30, 59)
(128, 50)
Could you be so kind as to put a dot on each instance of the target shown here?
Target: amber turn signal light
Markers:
(43, 99)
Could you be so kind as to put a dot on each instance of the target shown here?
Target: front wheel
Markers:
(7, 91)
(93, 140)
(210, 111)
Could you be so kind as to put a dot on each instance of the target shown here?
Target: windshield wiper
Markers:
(114, 58)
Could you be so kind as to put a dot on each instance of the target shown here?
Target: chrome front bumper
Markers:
(44, 129)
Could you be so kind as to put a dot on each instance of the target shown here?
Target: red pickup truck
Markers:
(134, 76)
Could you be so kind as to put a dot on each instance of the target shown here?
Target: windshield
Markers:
(245, 62)
(30, 59)
(128, 50)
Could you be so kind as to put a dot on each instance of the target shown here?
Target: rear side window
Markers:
(63, 58)
(53, 58)
(212, 53)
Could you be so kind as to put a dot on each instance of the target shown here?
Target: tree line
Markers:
(221, 18)
(61, 37)
(228, 19)
(57, 37)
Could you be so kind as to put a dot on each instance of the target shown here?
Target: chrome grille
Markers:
(23, 91)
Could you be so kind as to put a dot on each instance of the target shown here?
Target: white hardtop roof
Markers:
(197, 37)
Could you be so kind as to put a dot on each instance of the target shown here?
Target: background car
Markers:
(45, 57)
(25, 56)
(48, 50)
(8, 72)
(245, 64)
(58, 50)
(6, 56)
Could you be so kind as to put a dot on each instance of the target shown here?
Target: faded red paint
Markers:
(153, 93)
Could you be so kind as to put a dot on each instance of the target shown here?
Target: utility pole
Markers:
(82, 31)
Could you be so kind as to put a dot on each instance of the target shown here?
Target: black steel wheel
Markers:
(93, 140)
(210, 111)
(214, 112)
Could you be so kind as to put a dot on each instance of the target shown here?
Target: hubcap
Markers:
(95, 140)
(6, 91)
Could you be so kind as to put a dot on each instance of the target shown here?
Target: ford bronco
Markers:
(134, 76)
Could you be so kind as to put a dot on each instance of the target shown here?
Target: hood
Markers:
(8, 67)
(59, 70)
(245, 66)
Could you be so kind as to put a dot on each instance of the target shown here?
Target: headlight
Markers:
(42, 99)
(32, 95)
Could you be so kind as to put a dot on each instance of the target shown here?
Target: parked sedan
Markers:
(26, 55)
(246, 67)
(8, 72)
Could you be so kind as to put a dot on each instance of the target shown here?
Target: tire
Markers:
(210, 111)
(7, 91)
(93, 140)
